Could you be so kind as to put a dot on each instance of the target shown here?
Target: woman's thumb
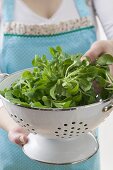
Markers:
(18, 138)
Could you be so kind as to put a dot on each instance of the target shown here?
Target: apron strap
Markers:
(83, 8)
(8, 10)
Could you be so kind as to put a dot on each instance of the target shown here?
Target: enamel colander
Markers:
(58, 136)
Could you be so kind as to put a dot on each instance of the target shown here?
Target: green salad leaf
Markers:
(62, 82)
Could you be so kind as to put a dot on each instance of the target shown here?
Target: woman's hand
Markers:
(98, 48)
(18, 135)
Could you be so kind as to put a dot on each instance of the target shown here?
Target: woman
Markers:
(30, 27)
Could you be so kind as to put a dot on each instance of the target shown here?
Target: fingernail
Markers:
(21, 138)
(83, 58)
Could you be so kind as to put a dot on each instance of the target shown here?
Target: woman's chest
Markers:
(67, 10)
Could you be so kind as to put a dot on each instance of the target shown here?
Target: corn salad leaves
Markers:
(63, 82)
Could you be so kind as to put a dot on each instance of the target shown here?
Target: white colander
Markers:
(58, 136)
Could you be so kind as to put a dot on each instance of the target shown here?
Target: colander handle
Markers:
(107, 108)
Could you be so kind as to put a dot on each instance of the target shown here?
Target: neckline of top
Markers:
(39, 16)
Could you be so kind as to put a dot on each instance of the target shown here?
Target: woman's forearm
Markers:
(6, 122)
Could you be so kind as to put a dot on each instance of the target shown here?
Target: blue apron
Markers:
(17, 53)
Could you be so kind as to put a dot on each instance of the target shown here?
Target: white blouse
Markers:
(66, 11)
(104, 10)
